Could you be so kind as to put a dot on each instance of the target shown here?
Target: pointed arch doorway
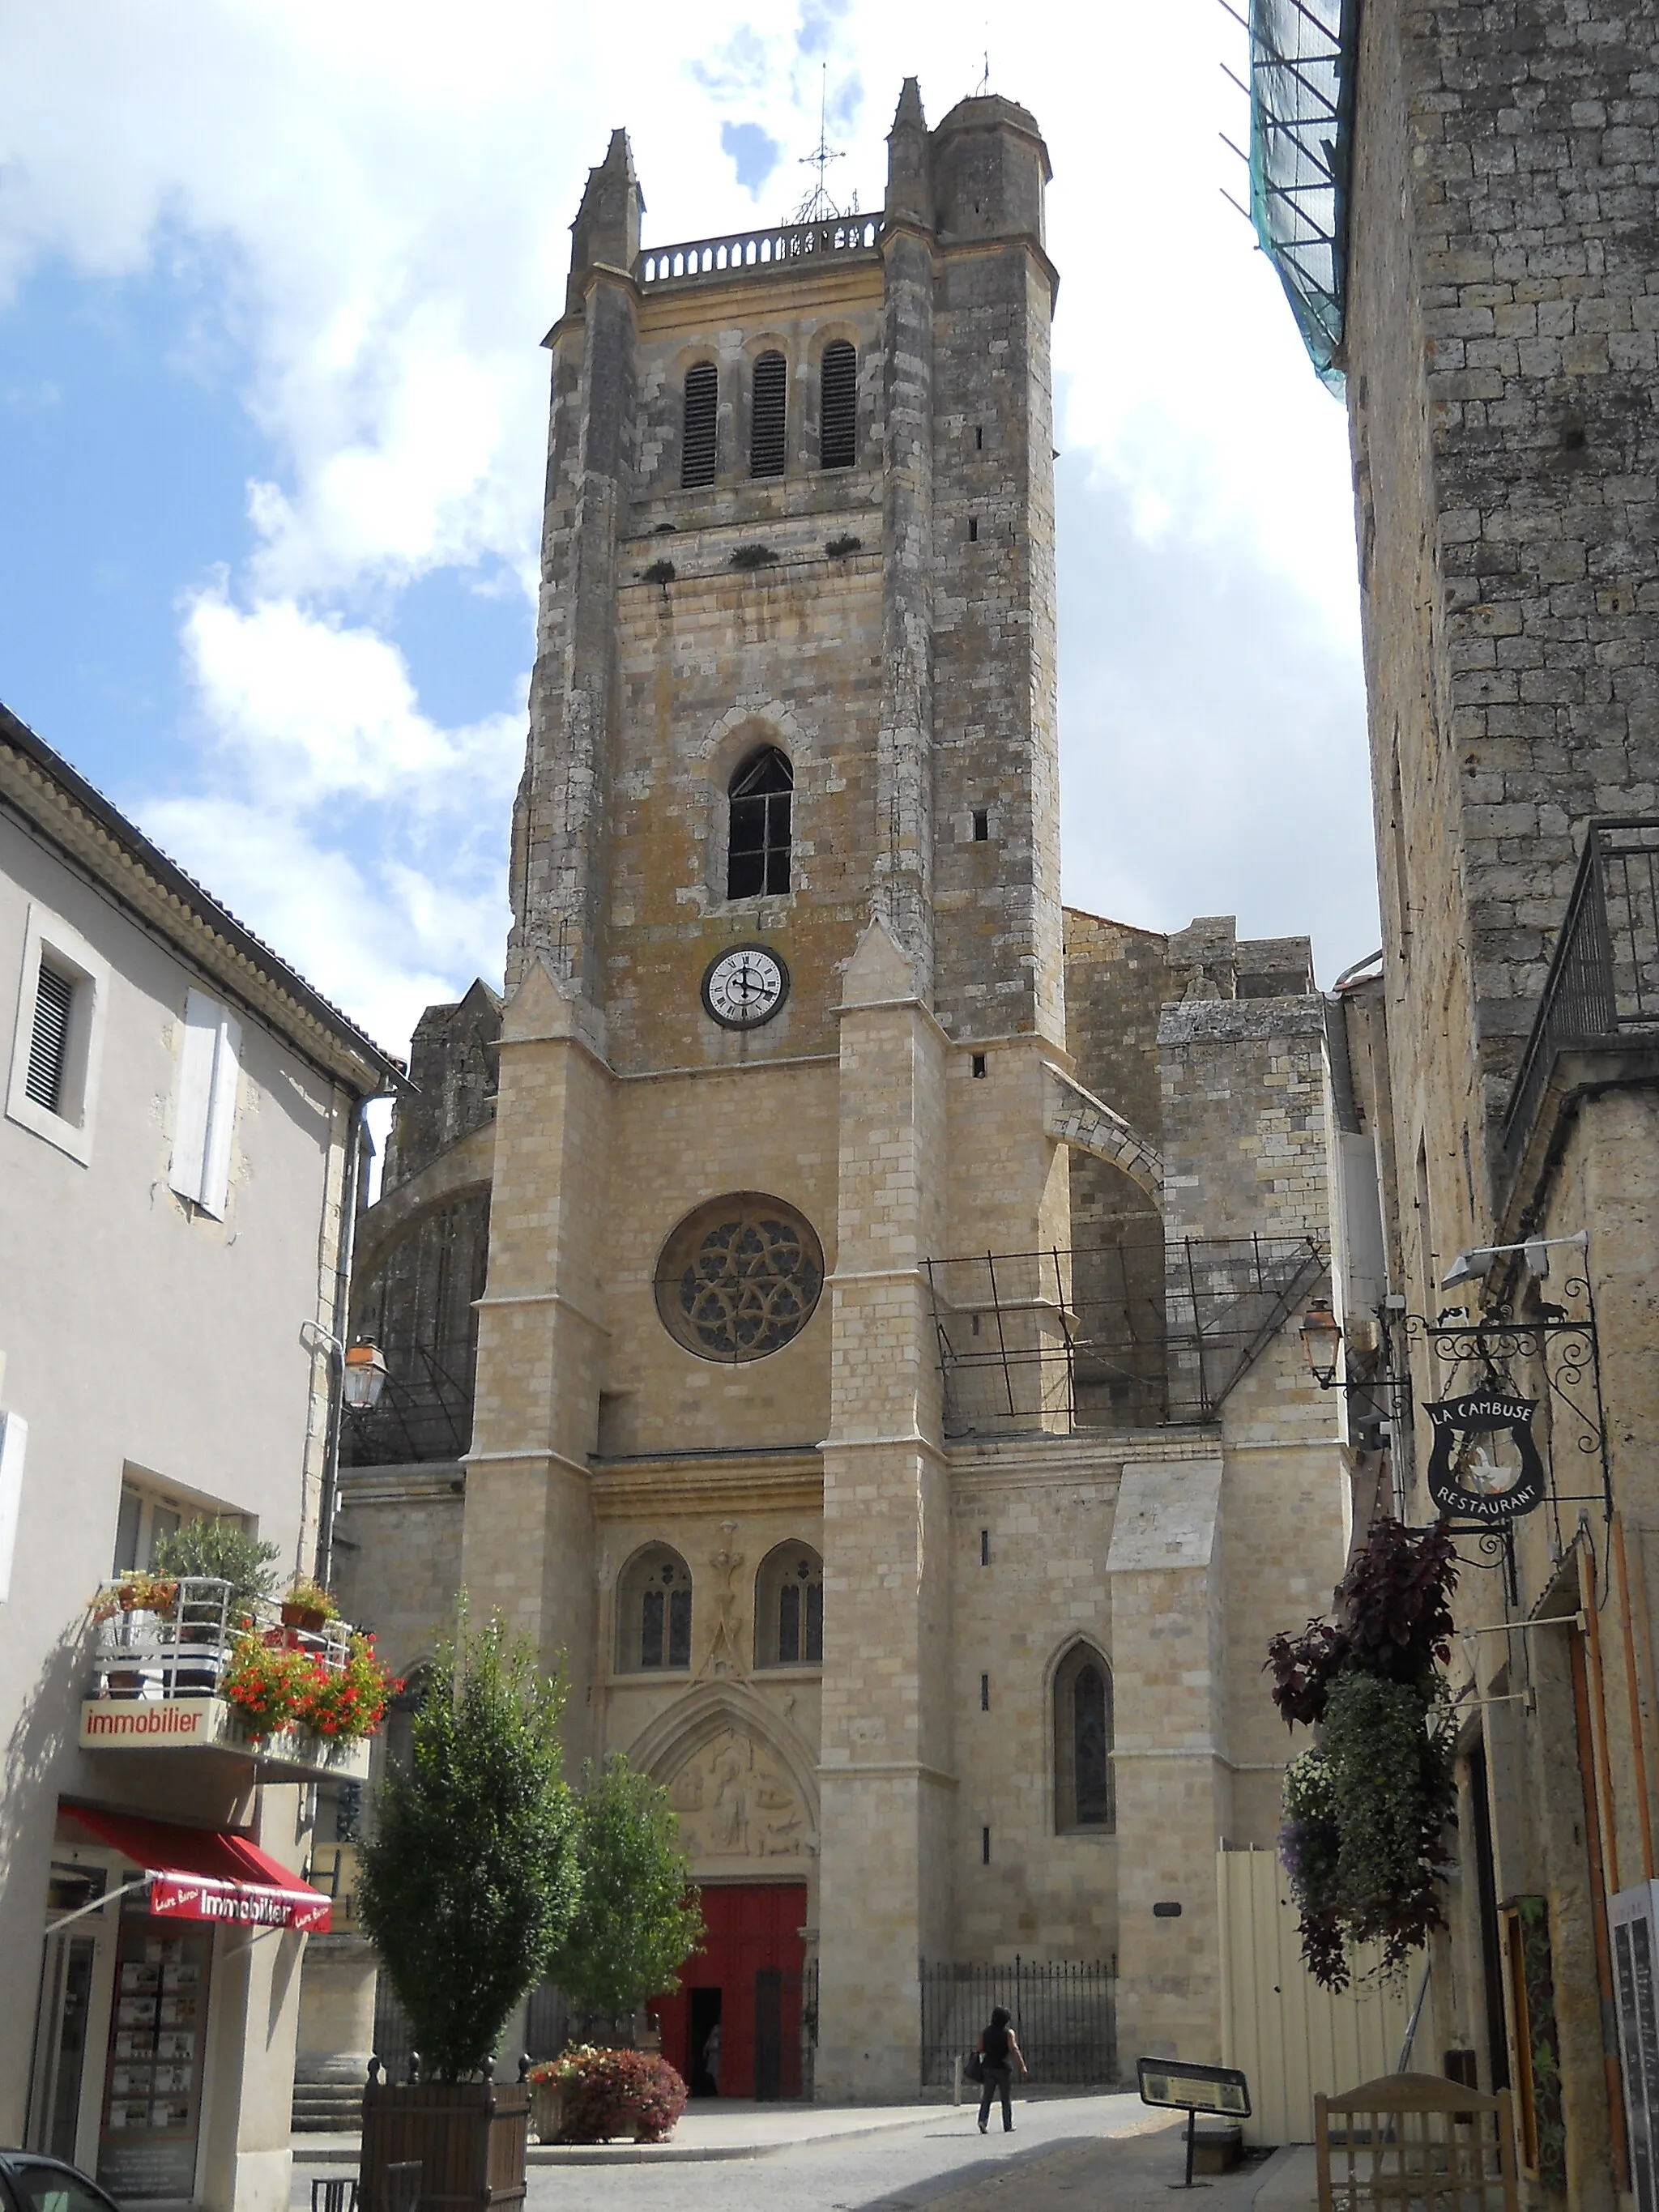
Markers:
(747, 1980)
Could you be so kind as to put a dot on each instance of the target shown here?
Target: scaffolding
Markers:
(1302, 78)
(1132, 1334)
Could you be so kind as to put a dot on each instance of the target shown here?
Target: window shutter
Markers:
(698, 450)
(208, 1070)
(14, 1436)
(838, 406)
(769, 411)
(54, 997)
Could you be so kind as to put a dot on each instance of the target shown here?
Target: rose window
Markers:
(739, 1277)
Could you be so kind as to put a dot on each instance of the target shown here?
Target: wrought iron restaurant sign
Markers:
(1484, 1465)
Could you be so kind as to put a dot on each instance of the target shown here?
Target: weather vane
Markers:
(817, 206)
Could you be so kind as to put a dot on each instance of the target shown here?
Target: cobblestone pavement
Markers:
(1072, 2155)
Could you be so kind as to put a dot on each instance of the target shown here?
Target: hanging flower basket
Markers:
(276, 1685)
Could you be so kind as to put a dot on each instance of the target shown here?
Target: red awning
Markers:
(205, 1874)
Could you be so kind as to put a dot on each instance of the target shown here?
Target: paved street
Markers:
(1065, 2155)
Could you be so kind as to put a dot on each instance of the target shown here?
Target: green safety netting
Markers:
(1302, 69)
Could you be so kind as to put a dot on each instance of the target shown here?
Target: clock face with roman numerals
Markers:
(744, 987)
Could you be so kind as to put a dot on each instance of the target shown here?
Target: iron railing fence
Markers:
(1132, 1334)
(1064, 2012)
(1603, 988)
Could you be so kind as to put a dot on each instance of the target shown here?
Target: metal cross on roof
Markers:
(817, 206)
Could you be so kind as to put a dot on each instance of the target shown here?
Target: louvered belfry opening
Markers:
(838, 406)
(767, 415)
(701, 408)
(54, 996)
(758, 853)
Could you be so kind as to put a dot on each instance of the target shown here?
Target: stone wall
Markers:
(1501, 351)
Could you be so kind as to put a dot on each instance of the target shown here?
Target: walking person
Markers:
(1000, 2053)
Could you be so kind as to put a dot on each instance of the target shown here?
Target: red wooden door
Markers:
(750, 1926)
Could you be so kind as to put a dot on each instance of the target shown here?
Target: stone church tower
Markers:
(880, 621)
(933, 1590)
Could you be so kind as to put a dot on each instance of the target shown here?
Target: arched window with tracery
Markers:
(789, 1607)
(768, 408)
(653, 1613)
(761, 801)
(697, 442)
(1084, 1795)
(838, 406)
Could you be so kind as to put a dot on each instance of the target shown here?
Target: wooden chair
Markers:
(1415, 2143)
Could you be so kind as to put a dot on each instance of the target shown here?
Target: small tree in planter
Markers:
(638, 1919)
(223, 1551)
(467, 1884)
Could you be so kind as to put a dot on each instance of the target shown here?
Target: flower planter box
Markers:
(470, 2137)
(547, 2109)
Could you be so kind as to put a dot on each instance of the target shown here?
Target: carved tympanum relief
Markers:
(734, 1801)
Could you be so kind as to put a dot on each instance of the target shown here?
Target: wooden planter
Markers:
(547, 2109)
(470, 2137)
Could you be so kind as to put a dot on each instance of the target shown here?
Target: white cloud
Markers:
(363, 841)
(312, 709)
(349, 927)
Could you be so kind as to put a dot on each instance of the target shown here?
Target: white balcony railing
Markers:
(185, 1651)
(158, 1676)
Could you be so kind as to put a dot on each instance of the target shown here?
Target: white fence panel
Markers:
(1291, 2038)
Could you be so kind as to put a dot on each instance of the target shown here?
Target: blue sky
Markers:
(273, 277)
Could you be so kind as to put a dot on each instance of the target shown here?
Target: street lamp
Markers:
(1322, 1341)
(361, 1371)
(363, 1376)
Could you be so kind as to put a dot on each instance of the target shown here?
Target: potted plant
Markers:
(1367, 1808)
(218, 1551)
(464, 1888)
(345, 1704)
(264, 1684)
(134, 1592)
(589, 2095)
(307, 1605)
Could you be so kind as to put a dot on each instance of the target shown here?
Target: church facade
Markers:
(841, 1301)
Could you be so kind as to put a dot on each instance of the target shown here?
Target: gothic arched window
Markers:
(767, 414)
(697, 444)
(838, 406)
(761, 796)
(654, 1612)
(1083, 1796)
(789, 1607)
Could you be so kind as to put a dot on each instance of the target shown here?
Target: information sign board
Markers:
(1636, 1956)
(1188, 2088)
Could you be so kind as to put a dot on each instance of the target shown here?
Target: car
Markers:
(30, 2182)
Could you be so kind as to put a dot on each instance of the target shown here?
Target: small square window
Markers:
(979, 1063)
(982, 825)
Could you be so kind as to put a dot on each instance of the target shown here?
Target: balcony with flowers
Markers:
(187, 1663)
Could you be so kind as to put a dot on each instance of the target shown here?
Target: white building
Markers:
(178, 1151)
